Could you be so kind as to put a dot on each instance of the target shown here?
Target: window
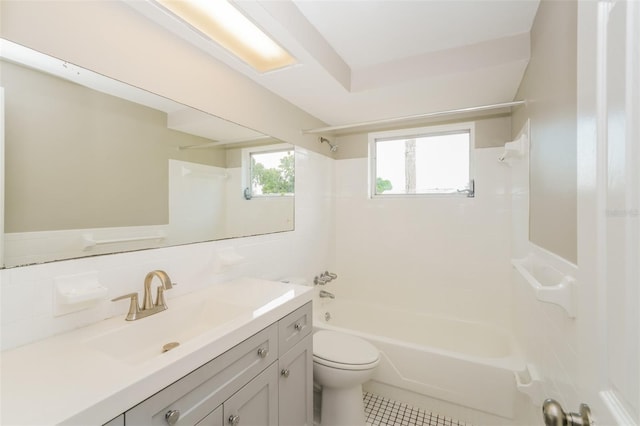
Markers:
(428, 160)
(269, 171)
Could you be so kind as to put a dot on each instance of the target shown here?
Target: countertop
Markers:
(67, 379)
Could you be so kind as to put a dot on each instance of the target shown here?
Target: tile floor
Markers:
(381, 411)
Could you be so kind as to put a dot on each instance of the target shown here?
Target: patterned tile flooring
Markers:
(380, 411)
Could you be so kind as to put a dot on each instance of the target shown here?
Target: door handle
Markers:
(554, 415)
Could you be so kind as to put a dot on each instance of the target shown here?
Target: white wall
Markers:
(439, 255)
(26, 293)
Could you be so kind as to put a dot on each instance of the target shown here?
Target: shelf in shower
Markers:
(549, 284)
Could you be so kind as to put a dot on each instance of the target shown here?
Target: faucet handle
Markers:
(126, 296)
(134, 308)
(331, 275)
(160, 295)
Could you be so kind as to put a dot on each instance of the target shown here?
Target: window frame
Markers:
(246, 168)
(406, 133)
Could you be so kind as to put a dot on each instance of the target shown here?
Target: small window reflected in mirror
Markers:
(270, 173)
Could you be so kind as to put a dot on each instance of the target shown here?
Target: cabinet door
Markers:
(256, 404)
(295, 400)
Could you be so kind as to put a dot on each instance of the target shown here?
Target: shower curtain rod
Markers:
(223, 142)
(413, 117)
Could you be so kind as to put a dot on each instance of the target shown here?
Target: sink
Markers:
(138, 341)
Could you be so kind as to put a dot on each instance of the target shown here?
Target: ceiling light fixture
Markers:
(220, 21)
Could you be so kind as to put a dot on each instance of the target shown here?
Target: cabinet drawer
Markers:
(203, 390)
(294, 327)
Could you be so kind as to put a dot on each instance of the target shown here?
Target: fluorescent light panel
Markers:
(227, 26)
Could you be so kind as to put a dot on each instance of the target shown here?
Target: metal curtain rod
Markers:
(413, 117)
(223, 142)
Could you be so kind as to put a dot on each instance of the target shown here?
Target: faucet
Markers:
(166, 285)
(148, 306)
(324, 293)
(321, 280)
(324, 278)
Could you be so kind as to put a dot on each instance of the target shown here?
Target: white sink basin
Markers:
(144, 339)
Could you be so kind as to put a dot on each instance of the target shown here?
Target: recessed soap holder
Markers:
(529, 382)
(549, 284)
(76, 292)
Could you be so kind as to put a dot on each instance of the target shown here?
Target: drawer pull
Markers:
(262, 352)
(234, 419)
(172, 417)
(285, 372)
(298, 326)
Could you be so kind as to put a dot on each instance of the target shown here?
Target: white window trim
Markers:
(246, 166)
(414, 131)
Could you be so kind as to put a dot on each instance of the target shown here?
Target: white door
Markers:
(608, 206)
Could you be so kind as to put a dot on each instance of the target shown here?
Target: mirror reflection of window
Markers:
(63, 122)
(270, 172)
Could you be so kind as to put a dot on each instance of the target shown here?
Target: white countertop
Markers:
(68, 379)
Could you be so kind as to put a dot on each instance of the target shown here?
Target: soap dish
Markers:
(76, 292)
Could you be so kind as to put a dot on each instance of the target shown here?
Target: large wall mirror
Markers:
(94, 166)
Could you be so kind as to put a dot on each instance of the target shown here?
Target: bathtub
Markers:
(468, 364)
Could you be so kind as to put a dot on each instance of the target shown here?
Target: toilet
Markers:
(341, 364)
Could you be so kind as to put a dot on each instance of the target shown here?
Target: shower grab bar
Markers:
(88, 241)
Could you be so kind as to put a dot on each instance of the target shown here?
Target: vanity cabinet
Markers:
(264, 381)
(295, 364)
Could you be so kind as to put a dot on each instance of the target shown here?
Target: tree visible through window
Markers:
(432, 160)
(272, 173)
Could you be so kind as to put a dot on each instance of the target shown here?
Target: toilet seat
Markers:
(343, 351)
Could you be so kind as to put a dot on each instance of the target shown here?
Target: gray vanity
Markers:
(252, 367)
(265, 380)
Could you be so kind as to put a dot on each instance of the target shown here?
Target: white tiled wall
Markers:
(441, 255)
(26, 293)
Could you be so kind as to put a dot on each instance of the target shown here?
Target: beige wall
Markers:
(111, 38)
(78, 158)
(491, 131)
(549, 86)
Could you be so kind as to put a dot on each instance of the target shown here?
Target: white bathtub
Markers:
(464, 363)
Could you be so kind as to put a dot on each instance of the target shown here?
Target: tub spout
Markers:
(324, 293)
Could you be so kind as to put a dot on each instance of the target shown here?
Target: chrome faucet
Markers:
(324, 293)
(148, 306)
(324, 278)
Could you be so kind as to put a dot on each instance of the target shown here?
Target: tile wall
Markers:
(26, 293)
(442, 255)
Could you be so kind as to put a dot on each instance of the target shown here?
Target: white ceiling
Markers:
(363, 60)
(369, 60)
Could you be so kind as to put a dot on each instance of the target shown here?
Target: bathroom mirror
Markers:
(94, 166)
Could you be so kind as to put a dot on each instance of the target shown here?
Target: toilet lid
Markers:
(343, 348)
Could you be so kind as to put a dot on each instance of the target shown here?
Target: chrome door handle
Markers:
(554, 415)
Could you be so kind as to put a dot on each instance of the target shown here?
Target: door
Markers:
(295, 386)
(608, 205)
(256, 404)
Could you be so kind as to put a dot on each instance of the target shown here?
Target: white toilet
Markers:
(341, 364)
